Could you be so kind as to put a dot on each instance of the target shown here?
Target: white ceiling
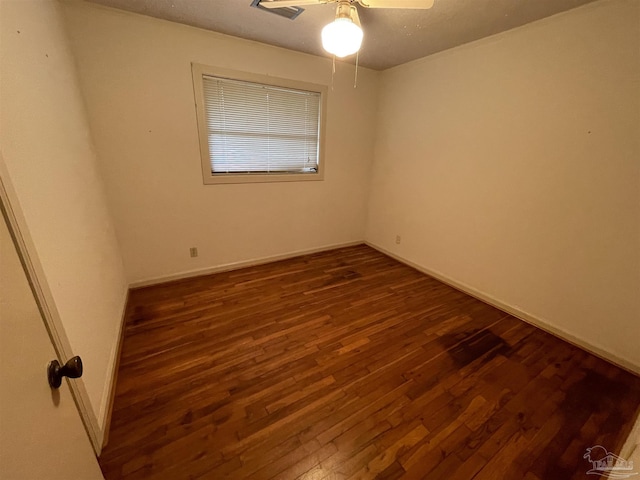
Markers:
(392, 37)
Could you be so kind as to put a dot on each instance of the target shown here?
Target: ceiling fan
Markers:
(417, 4)
(343, 36)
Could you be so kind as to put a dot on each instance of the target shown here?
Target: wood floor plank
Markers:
(348, 364)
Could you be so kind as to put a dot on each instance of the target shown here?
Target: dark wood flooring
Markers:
(347, 364)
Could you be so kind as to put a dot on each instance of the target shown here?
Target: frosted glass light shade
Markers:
(342, 37)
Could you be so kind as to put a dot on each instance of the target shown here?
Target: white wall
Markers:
(135, 73)
(511, 166)
(48, 152)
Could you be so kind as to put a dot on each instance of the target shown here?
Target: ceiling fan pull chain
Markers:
(333, 71)
(355, 81)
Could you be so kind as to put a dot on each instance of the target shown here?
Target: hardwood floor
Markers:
(348, 364)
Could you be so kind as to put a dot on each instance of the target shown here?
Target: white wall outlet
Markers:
(398, 239)
(193, 251)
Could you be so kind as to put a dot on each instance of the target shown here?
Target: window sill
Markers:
(260, 178)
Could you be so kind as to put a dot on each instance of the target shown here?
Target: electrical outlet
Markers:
(193, 251)
(398, 239)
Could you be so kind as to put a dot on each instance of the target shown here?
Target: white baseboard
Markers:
(237, 265)
(518, 313)
(632, 443)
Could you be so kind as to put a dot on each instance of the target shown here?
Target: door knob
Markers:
(71, 369)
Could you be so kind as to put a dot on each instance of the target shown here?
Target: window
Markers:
(255, 128)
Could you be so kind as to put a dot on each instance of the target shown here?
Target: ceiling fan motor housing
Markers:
(347, 10)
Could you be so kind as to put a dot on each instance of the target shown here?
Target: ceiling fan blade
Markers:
(416, 4)
(291, 3)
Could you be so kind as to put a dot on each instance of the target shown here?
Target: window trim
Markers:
(209, 178)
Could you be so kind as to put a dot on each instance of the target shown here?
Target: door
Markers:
(41, 434)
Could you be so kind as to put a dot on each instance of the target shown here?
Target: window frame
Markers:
(209, 178)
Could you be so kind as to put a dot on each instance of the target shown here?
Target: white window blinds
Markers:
(257, 128)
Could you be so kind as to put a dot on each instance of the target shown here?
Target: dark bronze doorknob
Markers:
(71, 369)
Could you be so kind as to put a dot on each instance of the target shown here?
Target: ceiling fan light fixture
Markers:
(343, 36)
